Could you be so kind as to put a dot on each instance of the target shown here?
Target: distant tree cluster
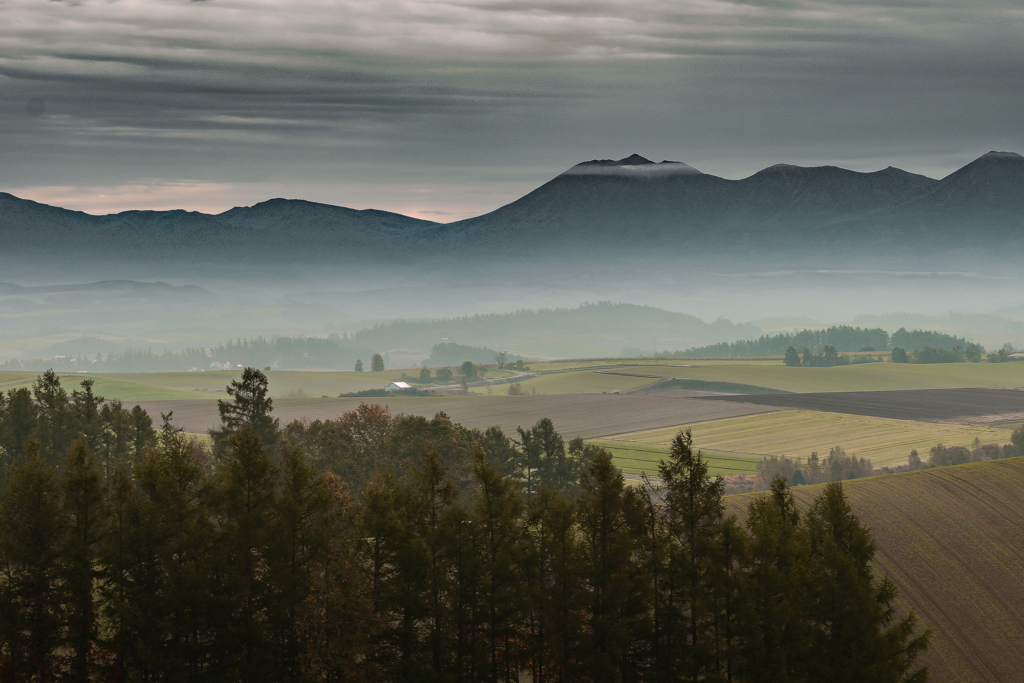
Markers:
(843, 338)
(837, 466)
(378, 547)
(829, 357)
(942, 456)
(972, 353)
(333, 352)
(450, 353)
(1003, 355)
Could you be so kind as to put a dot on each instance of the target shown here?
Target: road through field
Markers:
(586, 415)
(952, 540)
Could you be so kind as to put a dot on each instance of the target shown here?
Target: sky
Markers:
(445, 110)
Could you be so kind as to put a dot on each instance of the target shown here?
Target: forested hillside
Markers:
(499, 331)
(376, 547)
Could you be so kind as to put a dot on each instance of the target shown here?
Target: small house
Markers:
(397, 386)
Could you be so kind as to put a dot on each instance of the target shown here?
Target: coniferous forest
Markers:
(379, 547)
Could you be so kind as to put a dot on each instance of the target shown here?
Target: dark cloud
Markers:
(472, 92)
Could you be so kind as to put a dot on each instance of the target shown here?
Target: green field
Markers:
(638, 459)
(773, 374)
(950, 539)
(797, 433)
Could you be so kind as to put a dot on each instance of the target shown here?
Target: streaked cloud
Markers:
(492, 92)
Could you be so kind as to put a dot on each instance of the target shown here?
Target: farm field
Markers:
(867, 377)
(580, 382)
(796, 433)
(951, 539)
(586, 415)
(918, 404)
(636, 459)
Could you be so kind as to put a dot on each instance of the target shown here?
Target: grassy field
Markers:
(799, 432)
(951, 539)
(636, 459)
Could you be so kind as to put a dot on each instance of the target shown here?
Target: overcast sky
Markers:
(450, 109)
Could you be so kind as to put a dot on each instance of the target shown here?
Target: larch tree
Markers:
(250, 405)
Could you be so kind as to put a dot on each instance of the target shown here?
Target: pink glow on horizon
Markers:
(435, 202)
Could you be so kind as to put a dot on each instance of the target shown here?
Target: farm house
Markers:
(397, 386)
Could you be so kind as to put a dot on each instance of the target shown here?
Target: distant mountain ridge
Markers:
(633, 207)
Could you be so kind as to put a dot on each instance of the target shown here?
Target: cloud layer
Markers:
(489, 96)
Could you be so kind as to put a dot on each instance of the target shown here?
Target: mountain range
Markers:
(632, 208)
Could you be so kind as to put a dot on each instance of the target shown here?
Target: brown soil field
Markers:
(930, 405)
(952, 539)
(586, 415)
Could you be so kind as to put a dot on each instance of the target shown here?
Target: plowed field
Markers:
(586, 415)
(924, 404)
(952, 539)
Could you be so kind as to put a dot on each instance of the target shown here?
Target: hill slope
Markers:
(952, 539)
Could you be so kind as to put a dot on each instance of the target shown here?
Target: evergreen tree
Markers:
(774, 629)
(302, 526)
(554, 577)
(359, 365)
(792, 357)
(501, 451)
(247, 494)
(33, 532)
(854, 638)
(399, 567)
(141, 431)
(610, 518)
(544, 458)
(115, 434)
(337, 621)
(251, 405)
(56, 420)
(85, 512)
(377, 363)
(18, 424)
(694, 516)
(86, 406)
(435, 494)
(497, 511)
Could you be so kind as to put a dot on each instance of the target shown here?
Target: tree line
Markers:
(338, 352)
(378, 547)
(843, 338)
(839, 466)
(47, 416)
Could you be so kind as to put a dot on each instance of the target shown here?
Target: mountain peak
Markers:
(1005, 156)
(631, 165)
